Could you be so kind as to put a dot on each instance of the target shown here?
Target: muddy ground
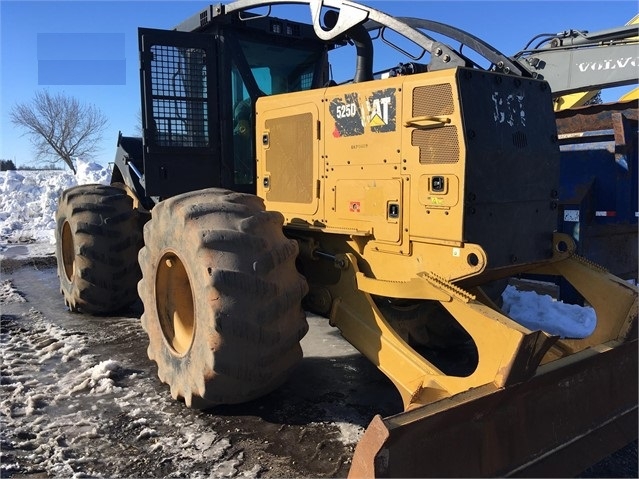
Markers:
(79, 398)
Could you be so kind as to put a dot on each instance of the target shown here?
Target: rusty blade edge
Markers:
(572, 413)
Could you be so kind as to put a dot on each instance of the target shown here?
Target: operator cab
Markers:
(199, 89)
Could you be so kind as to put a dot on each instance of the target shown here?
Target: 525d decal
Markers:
(352, 117)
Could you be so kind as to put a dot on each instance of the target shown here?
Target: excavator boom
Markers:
(577, 64)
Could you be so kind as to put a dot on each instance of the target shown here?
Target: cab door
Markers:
(180, 122)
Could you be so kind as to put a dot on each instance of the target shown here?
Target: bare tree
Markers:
(60, 127)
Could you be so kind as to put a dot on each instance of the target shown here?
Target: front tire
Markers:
(222, 297)
(98, 236)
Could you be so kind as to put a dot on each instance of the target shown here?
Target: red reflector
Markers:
(605, 213)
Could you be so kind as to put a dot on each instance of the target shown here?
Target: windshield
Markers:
(275, 69)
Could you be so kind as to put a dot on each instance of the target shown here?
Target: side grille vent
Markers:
(437, 146)
(289, 158)
(433, 100)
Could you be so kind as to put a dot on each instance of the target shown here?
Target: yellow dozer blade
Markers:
(536, 405)
(572, 413)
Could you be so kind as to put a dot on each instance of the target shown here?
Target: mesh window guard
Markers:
(179, 96)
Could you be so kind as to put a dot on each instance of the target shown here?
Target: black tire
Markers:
(222, 297)
(98, 237)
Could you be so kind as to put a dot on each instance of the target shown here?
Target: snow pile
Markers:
(533, 311)
(29, 198)
(96, 380)
(8, 294)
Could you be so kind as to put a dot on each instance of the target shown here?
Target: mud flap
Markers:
(572, 413)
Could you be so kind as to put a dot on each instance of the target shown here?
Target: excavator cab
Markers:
(199, 90)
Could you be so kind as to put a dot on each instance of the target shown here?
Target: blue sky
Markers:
(106, 32)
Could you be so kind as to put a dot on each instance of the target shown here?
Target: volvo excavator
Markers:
(396, 204)
(598, 141)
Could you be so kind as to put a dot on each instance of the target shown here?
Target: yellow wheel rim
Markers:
(68, 251)
(174, 301)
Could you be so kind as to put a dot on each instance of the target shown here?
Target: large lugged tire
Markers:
(98, 237)
(222, 297)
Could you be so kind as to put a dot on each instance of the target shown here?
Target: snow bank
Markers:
(29, 198)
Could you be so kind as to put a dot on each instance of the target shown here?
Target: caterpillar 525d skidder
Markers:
(394, 204)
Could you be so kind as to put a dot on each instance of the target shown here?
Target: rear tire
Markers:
(98, 236)
(222, 297)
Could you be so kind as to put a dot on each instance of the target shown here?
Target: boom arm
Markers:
(575, 61)
(571, 61)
